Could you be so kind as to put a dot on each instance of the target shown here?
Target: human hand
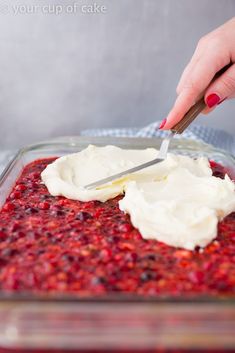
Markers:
(213, 52)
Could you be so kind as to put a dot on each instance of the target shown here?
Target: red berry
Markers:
(15, 195)
(20, 187)
(8, 207)
(196, 277)
(44, 205)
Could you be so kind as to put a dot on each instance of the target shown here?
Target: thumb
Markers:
(222, 88)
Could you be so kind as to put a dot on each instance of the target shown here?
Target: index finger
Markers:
(200, 78)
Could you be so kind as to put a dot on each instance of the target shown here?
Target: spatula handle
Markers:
(195, 110)
(189, 117)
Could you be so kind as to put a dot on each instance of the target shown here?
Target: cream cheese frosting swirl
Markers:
(177, 201)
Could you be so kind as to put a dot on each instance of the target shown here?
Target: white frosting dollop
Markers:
(182, 210)
(68, 175)
(177, 201)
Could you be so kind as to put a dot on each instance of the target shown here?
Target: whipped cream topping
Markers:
(182, 210)
(177, 201)
(68, 175)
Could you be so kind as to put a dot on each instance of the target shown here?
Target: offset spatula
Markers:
(177, 129)
(189, 117)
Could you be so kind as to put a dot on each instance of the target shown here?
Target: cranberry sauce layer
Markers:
(52, 244)
(157, 350)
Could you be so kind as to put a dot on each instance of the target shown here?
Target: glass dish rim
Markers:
(71, 141)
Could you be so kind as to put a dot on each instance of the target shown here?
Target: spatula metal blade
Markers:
(122, 174)
(161, 157)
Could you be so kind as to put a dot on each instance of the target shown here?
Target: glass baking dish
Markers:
(113, 323)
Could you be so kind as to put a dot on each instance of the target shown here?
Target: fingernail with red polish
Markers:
(163, 123)
(222, 100)
(212, 100)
